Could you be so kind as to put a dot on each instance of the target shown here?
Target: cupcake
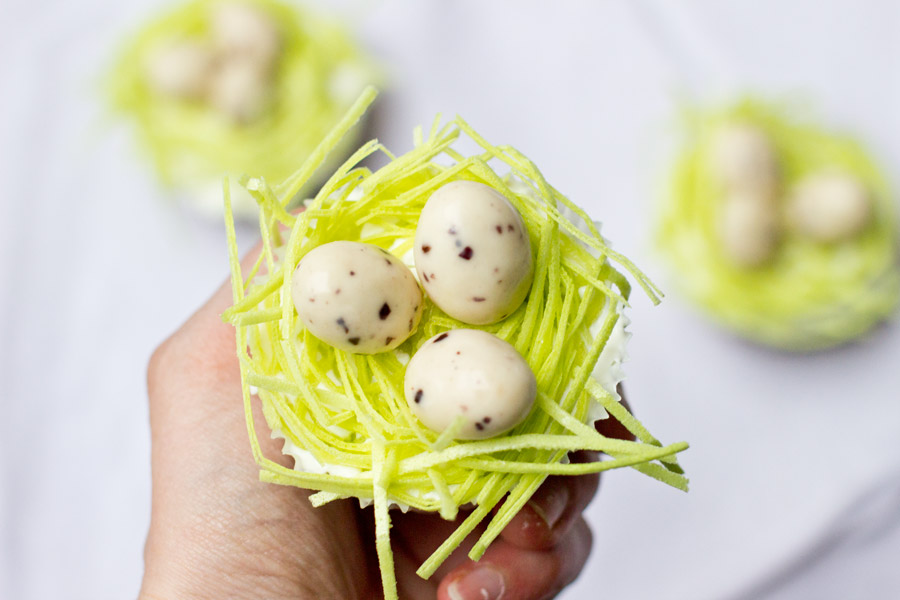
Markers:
(780, 230)
(436, 333)
(235, 86)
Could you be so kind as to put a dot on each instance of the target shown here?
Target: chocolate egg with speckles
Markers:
(472, 253)
(470, 374)
(356, 297)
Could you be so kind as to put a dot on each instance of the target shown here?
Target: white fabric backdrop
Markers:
(787, 451)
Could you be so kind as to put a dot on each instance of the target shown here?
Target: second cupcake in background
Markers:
(235, 86)
(780, 230)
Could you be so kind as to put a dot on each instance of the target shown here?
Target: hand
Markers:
(216, 531)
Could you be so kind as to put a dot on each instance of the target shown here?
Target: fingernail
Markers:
(484, 583)
(550, 503)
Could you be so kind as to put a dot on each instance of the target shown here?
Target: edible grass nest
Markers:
(318, 74)
(810, 295)
(344, 417)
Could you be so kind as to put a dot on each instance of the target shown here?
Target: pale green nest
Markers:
(811, 295)
(319, 73)
(348, 410)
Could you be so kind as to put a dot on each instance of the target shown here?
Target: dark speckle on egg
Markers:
(384, 312)
(510, 228)
(425, 277)
(352, 273)
(466, 253)
(418, 397)
(426, 249)
(477, 299)
(441, 337)
(353, 340)
(499, 229)
(343, 324)
(479, 426)
(387, 342)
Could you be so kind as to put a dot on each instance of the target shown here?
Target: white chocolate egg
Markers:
(829, 206)
(471, 374)
(240, 29)
(180, 69)
(356, 297)
(240, 89)
(472, 253)
(743, 158)
(748, 228)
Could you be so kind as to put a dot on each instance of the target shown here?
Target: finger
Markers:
(611, 427)
(205, 336)
(194, 374)
(559, 502)
(550, 514)
(507, 571)
(204, 328)
(209, 315)
(419, 534)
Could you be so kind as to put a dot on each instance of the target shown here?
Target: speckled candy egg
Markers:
(472, 253)
(829, 207)
(470, 374)
(179, 69)
(241, 29)
(240, 90)
(743, 158)
(748, 228)
(356, 297)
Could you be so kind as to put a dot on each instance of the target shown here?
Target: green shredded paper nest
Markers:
(320, 72)
(345, 414)
(812, 295)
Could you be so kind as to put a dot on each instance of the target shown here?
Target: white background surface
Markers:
(784, 448)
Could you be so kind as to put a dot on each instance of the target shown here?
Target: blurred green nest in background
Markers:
(811, 295)
(348, 411)
(319, 74)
